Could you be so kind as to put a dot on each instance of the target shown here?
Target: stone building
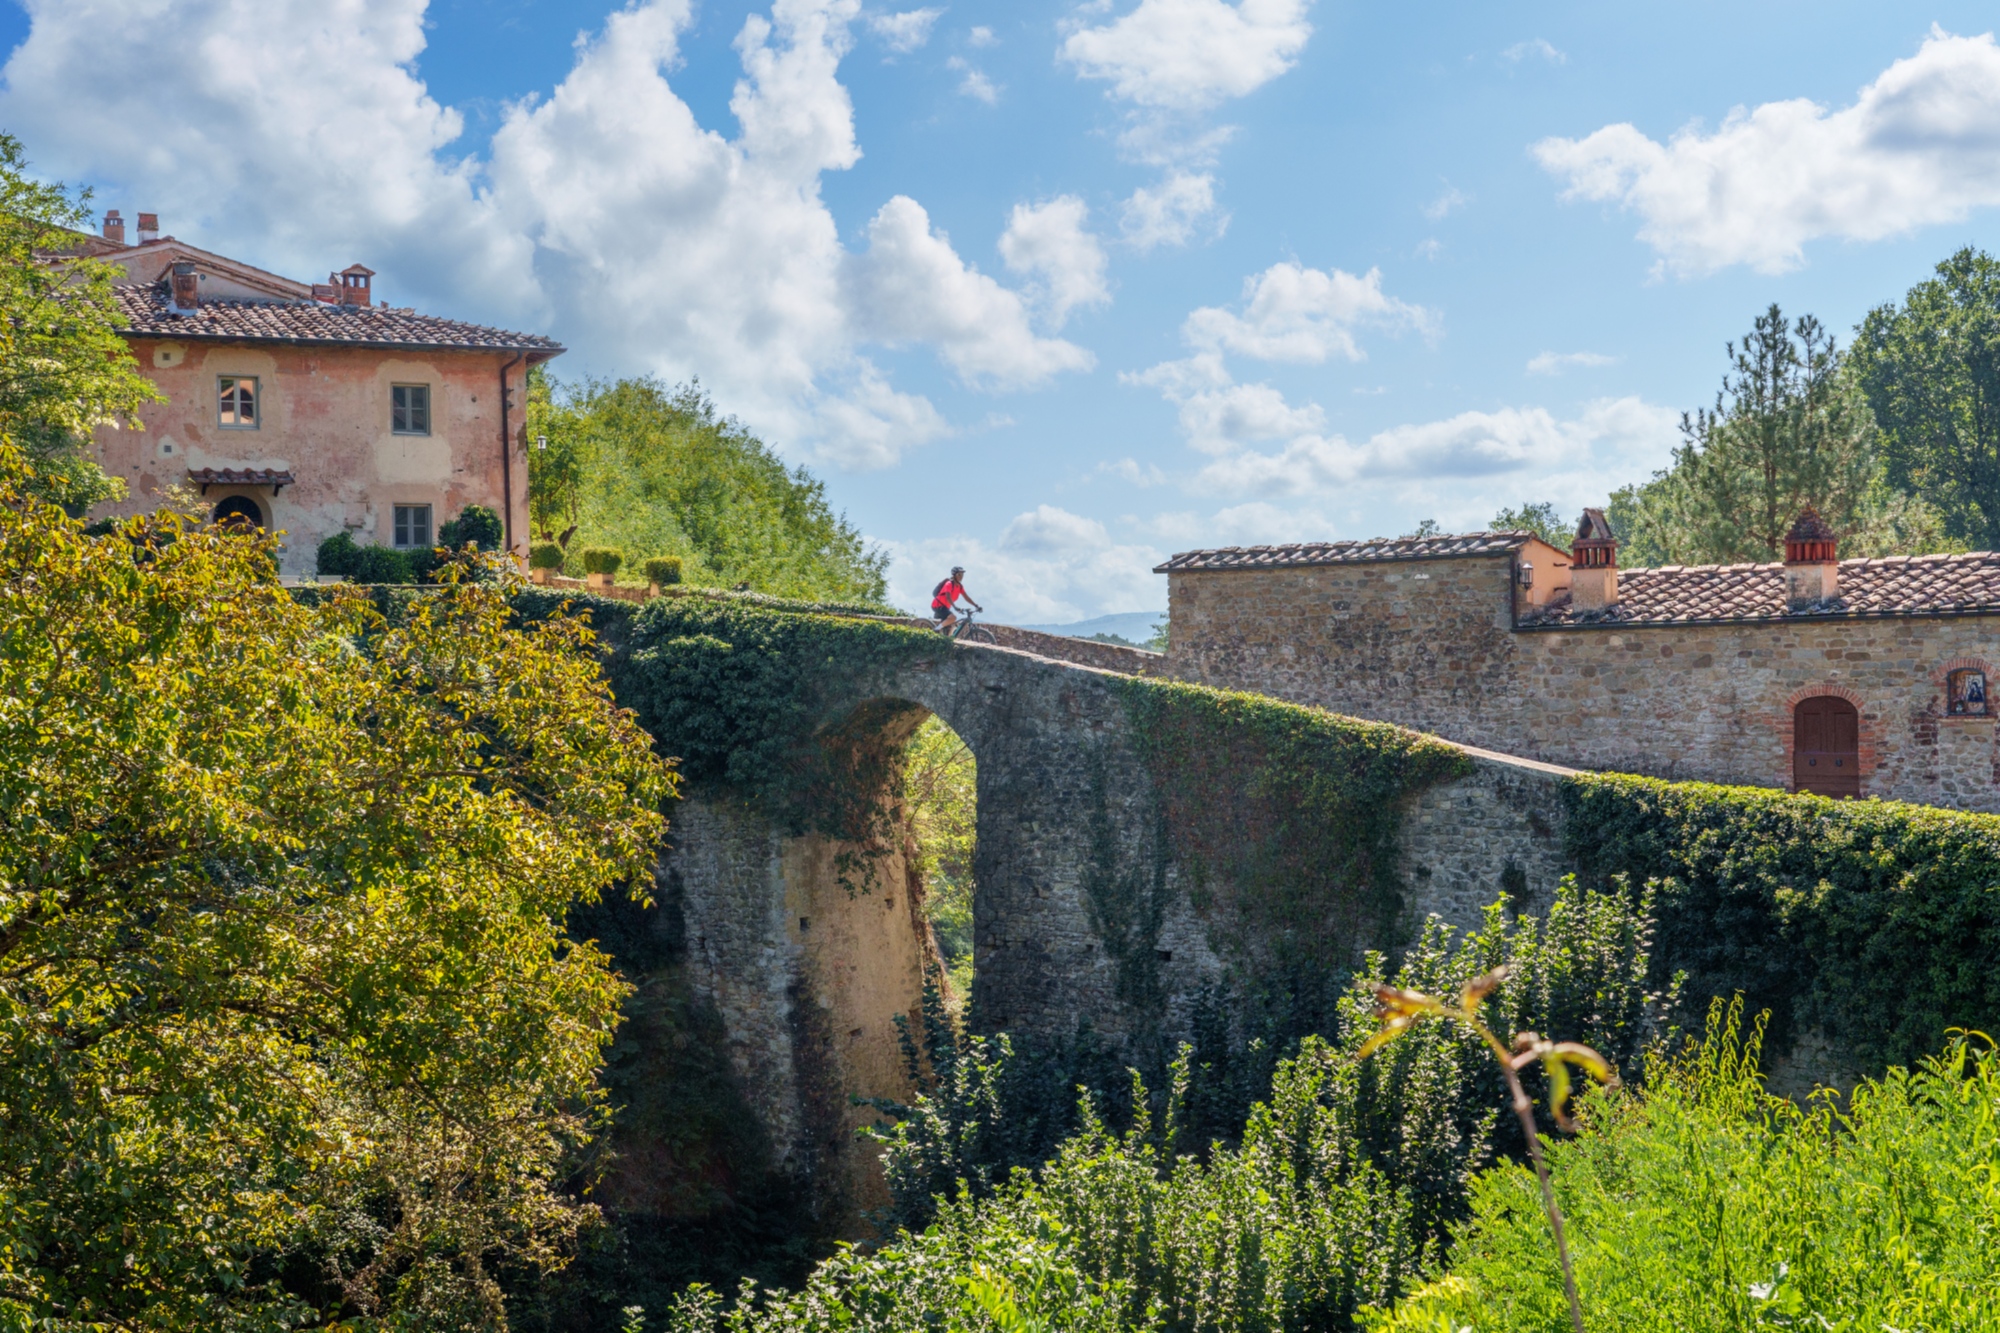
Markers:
(1848, 677)
(311, 408)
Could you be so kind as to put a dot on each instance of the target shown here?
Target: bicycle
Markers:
(968, 631)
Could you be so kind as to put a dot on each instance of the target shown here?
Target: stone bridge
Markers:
(1072, 891)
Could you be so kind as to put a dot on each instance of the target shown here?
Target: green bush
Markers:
(602, 559)
(1341, 1191)
(381, 564)
(475, 524)
(545, 555)
(663, 570)
(1702, 1205)
(1875, 922)
(337, 555)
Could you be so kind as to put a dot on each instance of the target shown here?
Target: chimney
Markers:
(1593, 571)
(353, 283)
(114, 227)
(186, 289)
(1812, 569)
(149, 227)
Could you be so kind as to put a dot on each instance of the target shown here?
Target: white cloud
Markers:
(1537, 47)
(975, 84)
(1554, 363)
(981, 36)
(1293, 313)
(905, 32)
(604, 210)
(1191, 55)
(1142, 475)
(1428, 248)
(1442, 207)
(1050, 243)
(1917, 147)
(1048, 566)
(911, 286)
(1173, 213)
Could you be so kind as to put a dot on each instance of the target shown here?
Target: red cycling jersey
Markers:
(947, 593)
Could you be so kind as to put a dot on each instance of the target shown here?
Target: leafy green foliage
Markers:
(289, 1026)
(741, 694)
(663, 570)
(1874, 921)
(635, 465)
(939, 793)
(1703, 1205)
(545, 555)
(475, 524)
(64, 370)
(1340, 1190)
(339, 554)
(1931, 370)
(1540, 518)
(602, 559)
(1296, 809)
(1791, 427)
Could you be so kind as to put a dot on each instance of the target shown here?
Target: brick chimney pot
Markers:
(149, 227)
(1812, 562)
(114, 227)
(1593, 571)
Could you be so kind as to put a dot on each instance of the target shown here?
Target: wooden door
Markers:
(1826, 747)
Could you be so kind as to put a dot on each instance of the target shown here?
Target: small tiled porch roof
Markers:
(276, 478)
(1348, 552)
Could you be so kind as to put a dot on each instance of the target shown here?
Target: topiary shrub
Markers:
(545, 555)
(602, 559)
(380, 564)
(663, 570)
(337, 554)
(476, 524)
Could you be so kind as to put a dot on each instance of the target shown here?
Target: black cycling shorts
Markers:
(939, 613)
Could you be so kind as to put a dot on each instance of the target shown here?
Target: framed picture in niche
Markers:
(1965, 693)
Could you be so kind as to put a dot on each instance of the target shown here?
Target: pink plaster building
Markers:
(310, 408)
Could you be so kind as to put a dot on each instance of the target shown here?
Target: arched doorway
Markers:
(239, 510)
(1826, 747)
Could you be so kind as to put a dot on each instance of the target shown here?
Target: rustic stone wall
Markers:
(1430, 644)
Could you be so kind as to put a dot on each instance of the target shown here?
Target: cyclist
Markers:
(944, 600)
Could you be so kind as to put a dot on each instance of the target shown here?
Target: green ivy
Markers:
(1296, 809)
(1874, 921)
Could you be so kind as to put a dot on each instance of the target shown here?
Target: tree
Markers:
(290, 1030)
(1791, 427)
(1931, 370)
(1539, 518)
(657, 471)
(64, 370)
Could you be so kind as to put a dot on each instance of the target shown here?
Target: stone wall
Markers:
(1430, 644)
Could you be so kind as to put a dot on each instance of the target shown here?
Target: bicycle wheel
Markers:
(977, 634)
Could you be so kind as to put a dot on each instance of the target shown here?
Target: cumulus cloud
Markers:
(1174, 212)
(1050, 243)
(911, 286)
(974, 84)
(1554, 363)
(981, 36)
(1294, 313)
(905, 32)
(1191, 55)
(1917, 147)
(1445, 204)
(1535, 47)
(605, 209)
(1048, 565)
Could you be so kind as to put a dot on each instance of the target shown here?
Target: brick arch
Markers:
(1939, 707)
(1868, 729)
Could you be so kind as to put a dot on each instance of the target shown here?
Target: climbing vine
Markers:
(1874, 921)
(1295, 809)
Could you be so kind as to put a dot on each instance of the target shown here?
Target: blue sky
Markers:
(1055, 289)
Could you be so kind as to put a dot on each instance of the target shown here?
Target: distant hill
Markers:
(1136, 626)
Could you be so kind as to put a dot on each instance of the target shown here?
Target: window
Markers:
(413, 526)
(1965, 693)
(410, 409)
(237, 395)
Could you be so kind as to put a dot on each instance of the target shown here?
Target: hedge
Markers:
(1876, 922)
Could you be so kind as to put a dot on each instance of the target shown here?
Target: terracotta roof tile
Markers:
(146, 312)
(1898, 585)
(205, 477)
(1347, 553)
